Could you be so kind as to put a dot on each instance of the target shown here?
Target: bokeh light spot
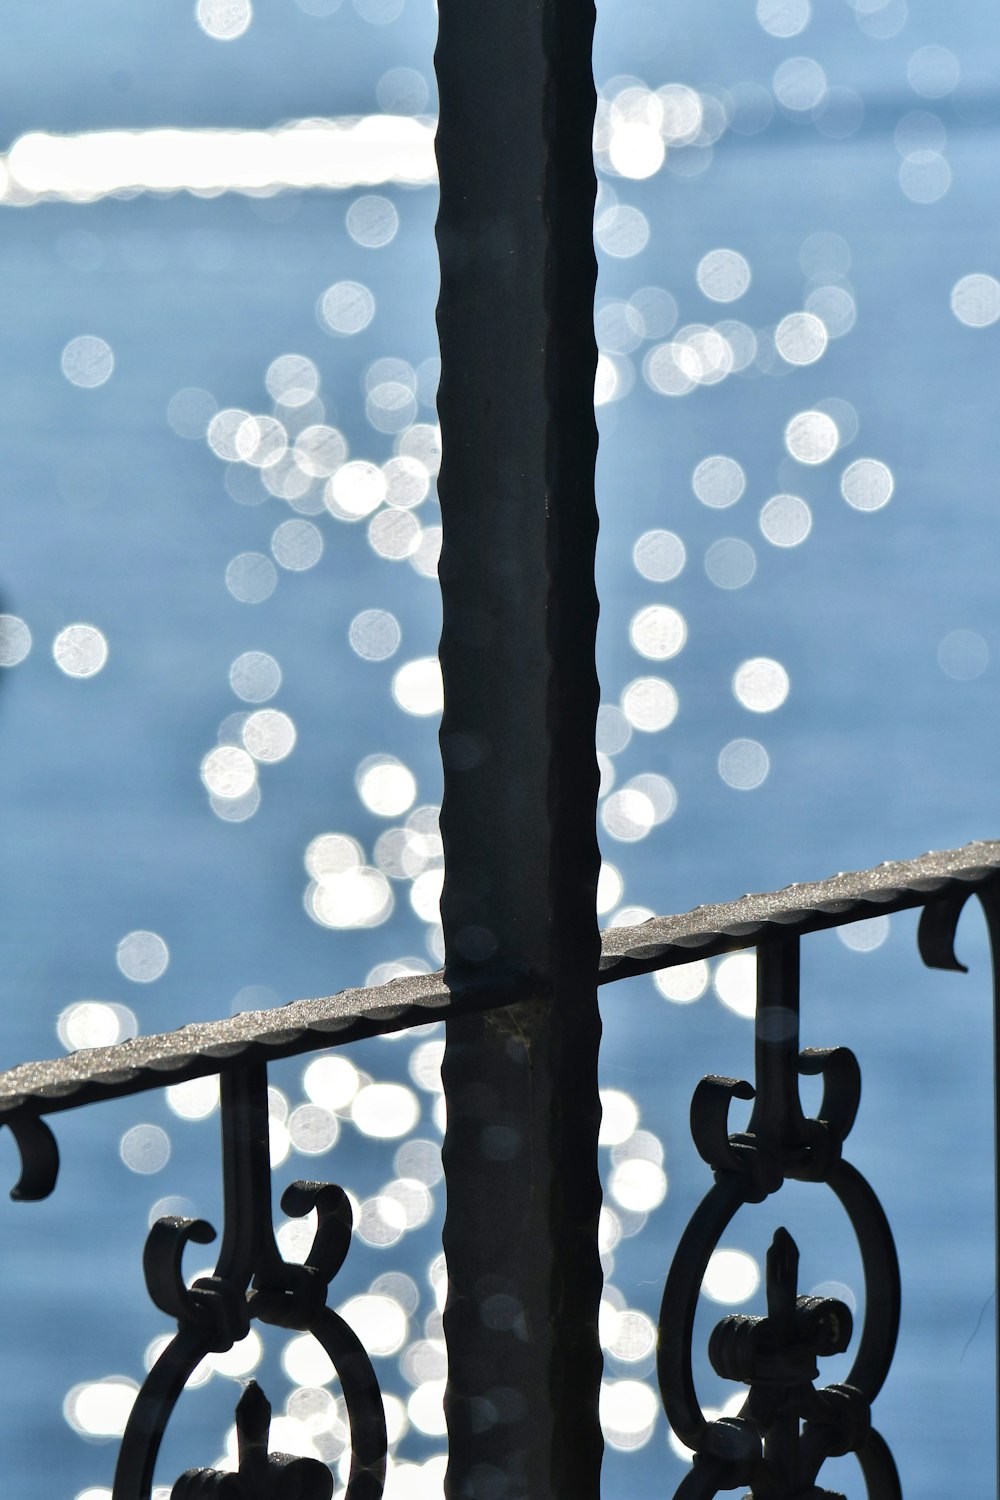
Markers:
(783, 18)
(15, 640)
(932, 71)
(346, 308)
(374, 634)
(313, 1129)
(379, 1322)
(735, 983)
(638, 1185)
(251, 577)
(730, 563)
(401, 91)
(142, 956)
(385, 1110)
(628, 1411)
(975, 300)
(385, 786)
(372, 221)
(799, 84)
(718, 481)
(619, 1117)
(785, 520)
(744, 764)
(195, 1099)
(417, 687)
(627, 815)
(255, 676)
(331, 1082)
(864, 936)
(683, 984)
(731, 1276)
(811, 437)
(292, 379)
(228, 771)
(80, 650)
(87, 361)
(924, 176)
(835, 307)
(297, 545)
(145, 1149)
(394, 534)
(659, 556)
(269, 735)
(224, 20)
(723, 275)
(801, 338)
(658, 631)
(94, 1023)
(359, 897)
(867, 484)
(963, 655)
(649, 704)
(100, 1408)
(355, 490)
(622, 231)
(760, 684)
(190, 410)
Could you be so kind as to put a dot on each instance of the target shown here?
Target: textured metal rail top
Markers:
(149, 1062)
(897, 885)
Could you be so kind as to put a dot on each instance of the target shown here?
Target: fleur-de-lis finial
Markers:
(261, 1475)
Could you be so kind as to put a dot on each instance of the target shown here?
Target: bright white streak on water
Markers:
(345, 152)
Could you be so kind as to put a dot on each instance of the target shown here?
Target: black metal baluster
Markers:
(766, 1446)
(989, 898)
(517, 649)
(936, 941)
(251, 1280)
(213, 1315)
(777, 1116)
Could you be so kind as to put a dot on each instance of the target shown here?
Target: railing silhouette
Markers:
(524, 957)
(786, 1429)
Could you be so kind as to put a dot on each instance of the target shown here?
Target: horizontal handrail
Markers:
(149, 1062)
(897, 885)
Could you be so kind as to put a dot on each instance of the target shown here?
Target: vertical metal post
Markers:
(936, 940)
(989, 897)
(515, 320)
(777, 1112)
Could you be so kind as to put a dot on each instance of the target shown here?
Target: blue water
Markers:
(108, 517)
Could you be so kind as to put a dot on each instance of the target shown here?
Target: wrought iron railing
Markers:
(786, 1428)
(524, 957)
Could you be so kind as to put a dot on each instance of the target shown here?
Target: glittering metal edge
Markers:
(150, 1062)
(896, 885)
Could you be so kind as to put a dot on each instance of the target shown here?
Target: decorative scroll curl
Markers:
(765, 1446)
(939, 926)
(251, 1280)
(36, 1146)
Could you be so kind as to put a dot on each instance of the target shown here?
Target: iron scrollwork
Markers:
(36, 1146)
(786, 1429)
(251, 1280)
(261, 1475)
